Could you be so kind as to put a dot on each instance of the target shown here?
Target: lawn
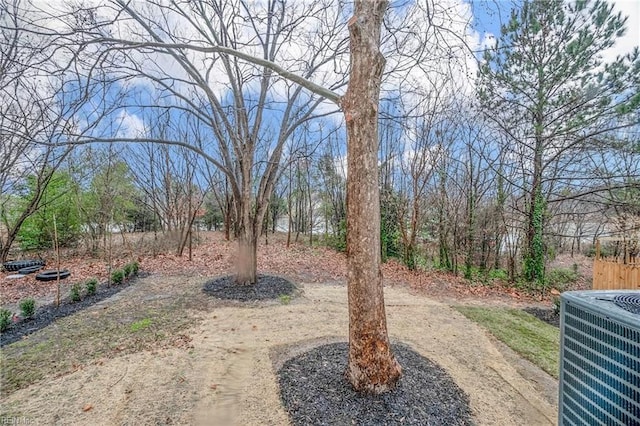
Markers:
(530, 337)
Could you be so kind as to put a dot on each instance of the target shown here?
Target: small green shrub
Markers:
(28, 307)
(551, 252)
(128, 269)
(561, 277)
(5, 319)
(475, 273)
(423, 263)
(285, 299)
(605, 251)
(117, 276)
(139, 325)
(76, 292)
(556, 305)
(498, 274)
(91, 286)
(131, 269)
(336, 242)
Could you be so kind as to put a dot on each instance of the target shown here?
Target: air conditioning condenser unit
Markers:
(599, 358)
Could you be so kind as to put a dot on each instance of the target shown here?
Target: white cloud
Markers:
(435, 49)
(488, 41)
(130, 126)
(624, 45)
(341, 166)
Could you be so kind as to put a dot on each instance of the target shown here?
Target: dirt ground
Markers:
(227, 375)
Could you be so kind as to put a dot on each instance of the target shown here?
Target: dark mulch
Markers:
(267, 287)
(315, 392)
(47, 314)
(548, 315)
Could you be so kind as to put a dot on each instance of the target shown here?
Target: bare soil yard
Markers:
(164, 352)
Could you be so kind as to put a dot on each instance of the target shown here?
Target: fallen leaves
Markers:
(215, 256)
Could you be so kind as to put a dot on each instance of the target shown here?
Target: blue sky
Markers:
(488, 15)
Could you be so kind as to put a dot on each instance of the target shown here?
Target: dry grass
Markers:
(148, 316)
(122, 363)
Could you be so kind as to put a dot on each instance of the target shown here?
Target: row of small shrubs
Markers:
(119, 275)
(28, 306)
(27, 309)
(90, 287)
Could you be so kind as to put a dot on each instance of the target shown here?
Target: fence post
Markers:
(627, 259)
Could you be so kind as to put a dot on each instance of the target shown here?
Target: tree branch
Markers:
(307, 84)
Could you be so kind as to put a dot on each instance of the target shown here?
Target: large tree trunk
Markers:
(372, 367)
(247, 255)
(248, 230)
(534, 261)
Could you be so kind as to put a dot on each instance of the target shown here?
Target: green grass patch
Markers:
(140, 325)
(530, 337)
(285, 299)
(84, 338)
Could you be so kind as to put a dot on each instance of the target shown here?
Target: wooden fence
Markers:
(619, 273)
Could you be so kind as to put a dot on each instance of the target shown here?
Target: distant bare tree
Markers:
(172, 180)
(229, 97)
(39, 108)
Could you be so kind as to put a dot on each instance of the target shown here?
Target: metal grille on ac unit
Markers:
(600, 358)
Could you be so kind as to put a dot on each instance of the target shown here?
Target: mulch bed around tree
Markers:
(267, 287)
(549, 315)
(47, 314)
(314, 391)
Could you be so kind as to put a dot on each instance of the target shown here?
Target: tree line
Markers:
(541, 158)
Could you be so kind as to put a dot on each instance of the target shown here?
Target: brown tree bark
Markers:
(246, 273)
(248, 230)
(372, 366)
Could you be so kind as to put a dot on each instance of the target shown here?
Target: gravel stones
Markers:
(548, 315)
(267, 287)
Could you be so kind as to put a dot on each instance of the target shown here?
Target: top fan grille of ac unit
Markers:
(629, 302)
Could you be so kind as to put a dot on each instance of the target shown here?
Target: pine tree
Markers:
(546, 85)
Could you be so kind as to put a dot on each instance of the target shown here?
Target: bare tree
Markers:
(231, 98)
(172, 181)
(372, 366)
(426, 141)
(37, 106)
